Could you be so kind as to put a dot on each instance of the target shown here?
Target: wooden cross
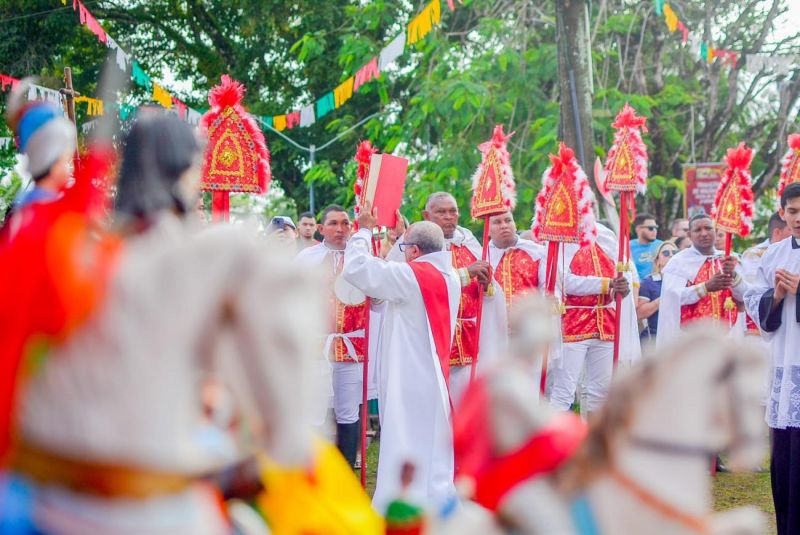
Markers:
(69, 95)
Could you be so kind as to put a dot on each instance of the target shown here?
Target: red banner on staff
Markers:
(701, 181)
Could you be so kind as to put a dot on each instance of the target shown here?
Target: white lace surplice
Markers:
(783, 405)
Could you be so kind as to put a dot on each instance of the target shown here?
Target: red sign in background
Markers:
(702, 181)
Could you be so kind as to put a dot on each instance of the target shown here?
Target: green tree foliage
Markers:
(491, 61)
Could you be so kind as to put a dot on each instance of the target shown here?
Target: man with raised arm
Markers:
(474, 274)
(421, 298)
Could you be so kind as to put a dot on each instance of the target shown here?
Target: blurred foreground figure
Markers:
(112, 435)
(643, 466)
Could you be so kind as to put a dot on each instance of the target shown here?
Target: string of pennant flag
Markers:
(420, 26)
(127, 64)
(707, 52)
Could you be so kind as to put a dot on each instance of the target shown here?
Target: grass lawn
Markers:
(735, 490)
(730, 490)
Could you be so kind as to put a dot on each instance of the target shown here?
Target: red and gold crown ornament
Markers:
(626, 166)
(493, 189)
(790, 164)
(733, 205)
(236, 157)
(564, 206)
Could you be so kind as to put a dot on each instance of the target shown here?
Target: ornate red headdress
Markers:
(626, 166)
(790, 164)
(733, 205)
(236, 157)
(564, 205)
(363, 156)
(493, 189)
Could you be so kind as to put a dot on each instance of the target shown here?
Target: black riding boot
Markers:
(347, 439)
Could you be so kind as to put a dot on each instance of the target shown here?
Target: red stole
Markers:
(437, 307)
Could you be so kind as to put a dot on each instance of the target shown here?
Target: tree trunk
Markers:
(575, 79)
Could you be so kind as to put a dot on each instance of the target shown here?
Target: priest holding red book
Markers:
(421, 298)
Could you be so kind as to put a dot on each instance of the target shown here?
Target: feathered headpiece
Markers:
(363, 156)
(564, 206)
(236, 157)
(733, 204)
(626, 166)
(493, 188)
(790, 164)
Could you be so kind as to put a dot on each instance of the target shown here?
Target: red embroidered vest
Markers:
(587, 316)
(712, 304)
(517, 273)
(464, 342)
(347, 319)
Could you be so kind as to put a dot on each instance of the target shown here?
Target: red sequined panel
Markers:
(464, 349)
(350, 319)
(587, 316)
(517, 273)
(712, 304)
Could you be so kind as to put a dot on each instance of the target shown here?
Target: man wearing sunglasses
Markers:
(441, 208)
(421, 302)
(644, 247)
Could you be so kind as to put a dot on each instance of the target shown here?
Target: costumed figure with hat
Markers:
(111, 427)
(48, 141)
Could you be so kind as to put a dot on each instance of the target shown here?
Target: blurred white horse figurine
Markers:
(645, 465)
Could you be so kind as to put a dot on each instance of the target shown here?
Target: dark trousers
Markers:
(785, 474)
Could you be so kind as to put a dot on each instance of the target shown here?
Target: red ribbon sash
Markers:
(437, 307)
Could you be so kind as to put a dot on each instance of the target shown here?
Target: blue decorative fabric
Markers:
(583, 517)
(16, 505)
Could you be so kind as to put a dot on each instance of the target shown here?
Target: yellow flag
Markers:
(343, 92)
(671, 18)
(162, 96)
(421, 25)
(279, 122)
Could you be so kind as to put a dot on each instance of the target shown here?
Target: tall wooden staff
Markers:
(564, 214)
(236, 157)
(733, 205)
(493, 193)
(363, 156)
(626, 172)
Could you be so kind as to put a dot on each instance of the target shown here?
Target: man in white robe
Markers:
(772, 301)
(340, 370)
(697, 282)
(412, 390)
(466, 253)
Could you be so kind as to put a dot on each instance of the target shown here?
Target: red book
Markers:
(384, 187)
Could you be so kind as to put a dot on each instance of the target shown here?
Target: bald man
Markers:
(465, 250)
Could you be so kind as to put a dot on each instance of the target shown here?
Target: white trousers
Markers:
(598, 358)
(347, 391)
(459, 381)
